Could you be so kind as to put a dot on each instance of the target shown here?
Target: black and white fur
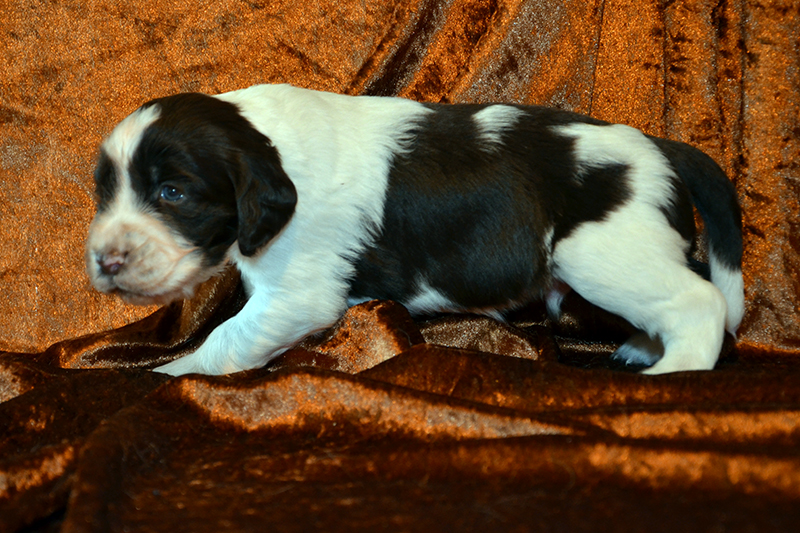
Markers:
(323, 201)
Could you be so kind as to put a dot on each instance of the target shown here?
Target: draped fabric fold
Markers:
(384, 421)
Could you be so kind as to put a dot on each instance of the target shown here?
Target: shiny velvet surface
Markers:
(454, 423)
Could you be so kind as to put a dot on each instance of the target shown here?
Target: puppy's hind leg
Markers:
(639, 272)
(693, 328)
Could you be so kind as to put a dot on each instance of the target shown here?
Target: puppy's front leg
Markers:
(266, 326)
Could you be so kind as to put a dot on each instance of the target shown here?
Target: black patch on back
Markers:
(588, 197)
(470, 218)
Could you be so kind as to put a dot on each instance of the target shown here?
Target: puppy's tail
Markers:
(715, 199)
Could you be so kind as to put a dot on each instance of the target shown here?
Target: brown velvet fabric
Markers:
(384, 423)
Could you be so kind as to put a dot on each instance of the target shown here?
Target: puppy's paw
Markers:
(640, 350)
(188, 364)
(207, 361)
(180, 366)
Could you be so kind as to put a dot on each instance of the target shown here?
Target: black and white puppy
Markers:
(323, 201)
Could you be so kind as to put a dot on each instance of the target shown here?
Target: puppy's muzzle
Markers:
(111, 263)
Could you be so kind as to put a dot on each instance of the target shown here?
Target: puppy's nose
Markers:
(111, 263)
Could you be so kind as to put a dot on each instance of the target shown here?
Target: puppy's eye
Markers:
(171, 194)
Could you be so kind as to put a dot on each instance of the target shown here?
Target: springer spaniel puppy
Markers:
(323, 201)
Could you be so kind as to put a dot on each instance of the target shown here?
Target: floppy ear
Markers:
(265, 199)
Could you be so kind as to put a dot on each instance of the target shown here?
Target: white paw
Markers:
(211, 362)
(679, 363)
(179, 367)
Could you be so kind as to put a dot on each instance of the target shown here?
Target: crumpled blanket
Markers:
(387, 422)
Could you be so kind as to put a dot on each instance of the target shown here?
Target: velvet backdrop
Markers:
(385, 423)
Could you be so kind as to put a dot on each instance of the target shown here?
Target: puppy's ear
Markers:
(265, 199)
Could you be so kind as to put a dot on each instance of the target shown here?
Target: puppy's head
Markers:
(179, 181)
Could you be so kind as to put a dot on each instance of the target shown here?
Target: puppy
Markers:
(323, 201)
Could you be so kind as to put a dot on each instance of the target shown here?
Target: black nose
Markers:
(110, 264)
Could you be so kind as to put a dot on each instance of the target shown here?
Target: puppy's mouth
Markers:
(156, 277)
(136, 256)
(177, 283)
